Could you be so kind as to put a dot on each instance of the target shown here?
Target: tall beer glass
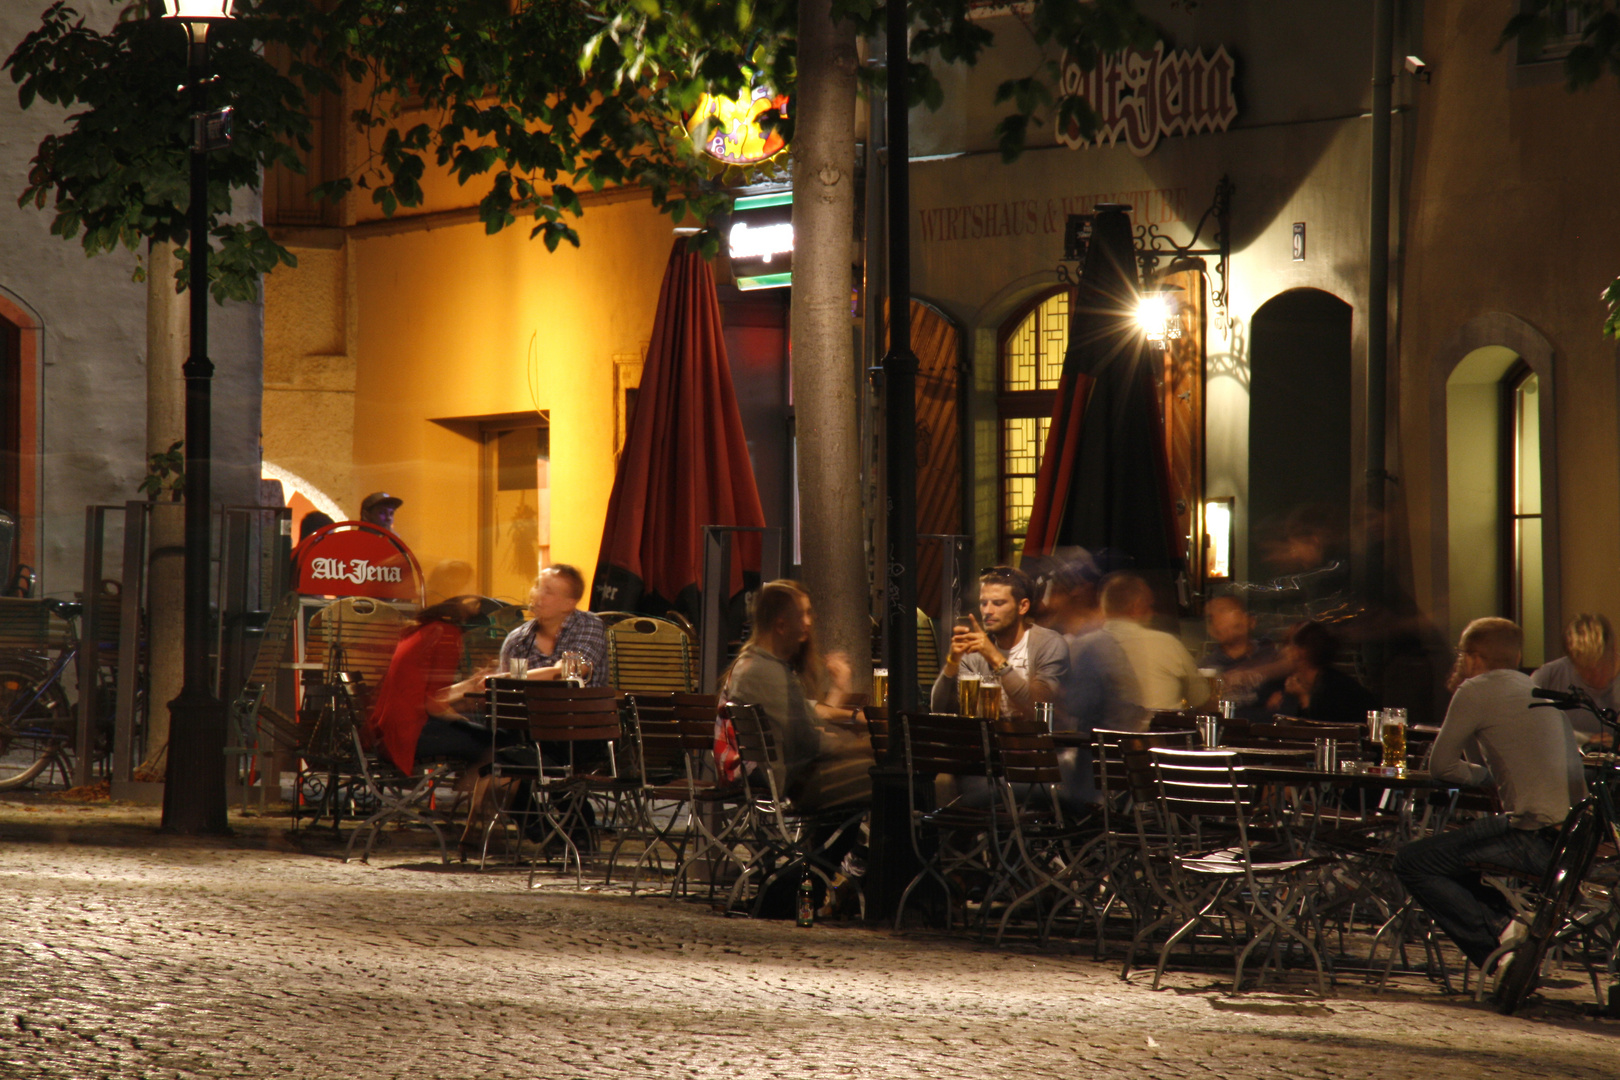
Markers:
(880, 687)
(967, 695)
(1394, 738)
(990, 699)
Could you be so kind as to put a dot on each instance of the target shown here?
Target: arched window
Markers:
(1029, 363)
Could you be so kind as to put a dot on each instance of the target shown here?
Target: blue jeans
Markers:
(1436, 872)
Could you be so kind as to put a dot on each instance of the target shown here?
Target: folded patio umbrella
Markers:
(1104, 480)
(685, 462)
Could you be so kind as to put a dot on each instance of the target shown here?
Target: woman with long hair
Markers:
(780, 670)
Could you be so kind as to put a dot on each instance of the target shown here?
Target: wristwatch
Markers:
(1006, 666)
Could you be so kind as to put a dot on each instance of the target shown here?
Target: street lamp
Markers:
(194, 794)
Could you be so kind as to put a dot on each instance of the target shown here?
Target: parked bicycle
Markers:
(37, 726)
(1590, 824)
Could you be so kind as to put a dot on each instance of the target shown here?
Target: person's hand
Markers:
(1299, 688)
(838, 670)
(544, 674)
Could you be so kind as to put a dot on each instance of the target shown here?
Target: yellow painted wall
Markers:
(1511, 212)
(448, 321)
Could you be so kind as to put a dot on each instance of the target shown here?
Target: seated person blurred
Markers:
(415, 715)
(1165, 675)
(1243, 661)
(1589, 663)
(1099, 689)
(1314, 689)
(825, 767)
(556, 626)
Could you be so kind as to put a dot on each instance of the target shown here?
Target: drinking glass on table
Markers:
(1394, 738)
(880, 687)
(989, 703)
(517, 667)
(576, 668)
(967, 695)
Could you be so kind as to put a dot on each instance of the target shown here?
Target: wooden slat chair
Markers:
(656, 760)
(573, 728)
(955, 841)
(357, 636)
(782, 841)
(717, 809)
(1136, 844)
(1054, 850)
(650, 655)
(1237, 882)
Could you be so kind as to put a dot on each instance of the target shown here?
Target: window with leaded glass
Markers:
(1029, 365)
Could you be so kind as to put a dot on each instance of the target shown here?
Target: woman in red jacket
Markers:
(413, 716)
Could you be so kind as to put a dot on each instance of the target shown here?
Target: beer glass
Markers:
(967, 695)
(575, 668)
(990, 699)
(880, 687)
(1394, 737)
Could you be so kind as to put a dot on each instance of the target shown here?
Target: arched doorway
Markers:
(1494, 502)
(1299, 422)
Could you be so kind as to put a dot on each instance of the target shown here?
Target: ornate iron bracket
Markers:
(1153, 247)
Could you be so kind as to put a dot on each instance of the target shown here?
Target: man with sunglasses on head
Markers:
(1003, 643)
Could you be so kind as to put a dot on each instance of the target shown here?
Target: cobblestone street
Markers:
(128, 954)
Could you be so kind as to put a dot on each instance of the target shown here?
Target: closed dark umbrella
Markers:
(685, 461)
(1104, 481)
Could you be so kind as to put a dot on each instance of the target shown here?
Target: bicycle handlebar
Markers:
(1574, 700)
(65, 609)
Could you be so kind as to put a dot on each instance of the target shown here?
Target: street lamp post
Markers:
(194, 792)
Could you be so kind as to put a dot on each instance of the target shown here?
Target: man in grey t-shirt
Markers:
(1491, 734)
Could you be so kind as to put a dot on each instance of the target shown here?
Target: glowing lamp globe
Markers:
(198, 11)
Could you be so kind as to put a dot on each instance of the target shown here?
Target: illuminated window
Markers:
(1029, 365)
(1522, 512)
(515, 506)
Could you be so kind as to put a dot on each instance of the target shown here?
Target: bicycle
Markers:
(1589, 824)
(36, 719)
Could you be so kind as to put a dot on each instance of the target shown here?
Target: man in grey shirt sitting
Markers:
(1029, 660)
(1530, 755)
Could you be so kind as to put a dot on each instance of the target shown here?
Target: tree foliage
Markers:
(530, 102)
(1542, 22)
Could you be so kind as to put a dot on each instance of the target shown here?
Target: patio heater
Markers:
(194, 794)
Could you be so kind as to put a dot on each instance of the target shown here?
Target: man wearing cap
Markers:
(378, 509)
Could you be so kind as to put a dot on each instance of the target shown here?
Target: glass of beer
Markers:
(880, 687)
(990, 699)
(1394, 737)
(967, 695)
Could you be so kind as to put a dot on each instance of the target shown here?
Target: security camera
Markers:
(1416, 66)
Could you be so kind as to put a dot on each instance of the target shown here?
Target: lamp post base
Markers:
(194, 789)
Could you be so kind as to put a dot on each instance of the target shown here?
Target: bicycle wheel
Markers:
(1571, 860)
(38, 738)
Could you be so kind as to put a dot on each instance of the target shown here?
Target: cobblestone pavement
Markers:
(129, 954)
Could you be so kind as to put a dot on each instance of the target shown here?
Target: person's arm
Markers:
(1048, 667)
(1457, 734)
(1195, 688)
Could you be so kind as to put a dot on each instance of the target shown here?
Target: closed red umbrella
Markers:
(685, 462)
(1104, 480)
